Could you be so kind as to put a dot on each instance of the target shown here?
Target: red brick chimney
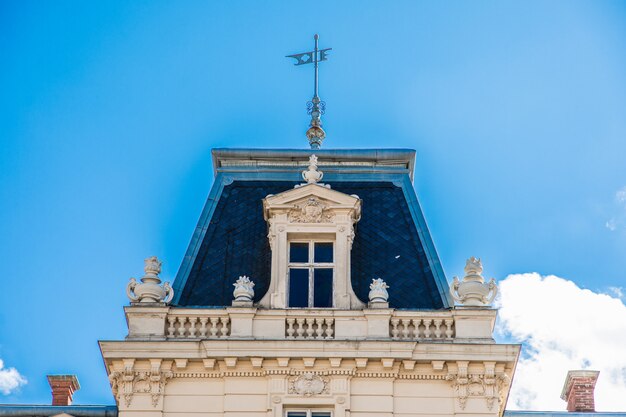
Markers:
(63, 387)
(578, 391)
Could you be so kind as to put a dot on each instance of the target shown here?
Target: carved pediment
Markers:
(311, 203)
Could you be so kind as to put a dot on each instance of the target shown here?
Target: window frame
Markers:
(309, 411)
(311, 265)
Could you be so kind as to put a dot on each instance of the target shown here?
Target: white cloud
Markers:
(10, 379)
(562, 327)
(620, 195)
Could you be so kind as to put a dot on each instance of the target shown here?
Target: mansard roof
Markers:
(392, 240)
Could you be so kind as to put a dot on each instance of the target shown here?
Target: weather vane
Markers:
(315, 107)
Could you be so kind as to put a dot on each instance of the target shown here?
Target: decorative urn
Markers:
(312, 175)
(378, 291)
(244, 289)
(150, 289)
(473, 291)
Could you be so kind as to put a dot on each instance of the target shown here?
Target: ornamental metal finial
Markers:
(315, 107)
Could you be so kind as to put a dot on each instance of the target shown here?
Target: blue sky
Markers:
(109, 110)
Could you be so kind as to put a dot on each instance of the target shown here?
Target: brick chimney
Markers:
(63, 387)
(578, 391)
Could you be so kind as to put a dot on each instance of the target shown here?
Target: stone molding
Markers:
(491, 383)
(486, 381)
(127, 380)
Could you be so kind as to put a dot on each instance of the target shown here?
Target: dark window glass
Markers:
(297, 414)
(299, 252)
(324, 252)
(318, 414)
(323, 287)
(298, 287)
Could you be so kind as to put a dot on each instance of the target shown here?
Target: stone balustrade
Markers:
(171, 323)
(193, 325)
(309, 328)
(406, 326)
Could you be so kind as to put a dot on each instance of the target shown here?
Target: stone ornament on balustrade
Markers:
(150, 289)
(473, 291)
(243, 292)
(378, 295)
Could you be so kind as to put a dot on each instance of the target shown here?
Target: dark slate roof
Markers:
(386, 245)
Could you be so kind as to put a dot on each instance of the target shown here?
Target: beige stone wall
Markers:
(348, 389)
(250, 362)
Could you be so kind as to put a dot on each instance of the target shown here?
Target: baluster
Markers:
(170, 330)
(309, 328)
(414, 328)
(192, 327)
(330, 329)
(448, 323)
(418, 329)
(225, 332)
(394, 328)
(213, 329)
(437, 329)
(290, 329)
(405, 327)
(203, 322)
(427, 328)
(181, 327)
(319, 331)
(300, 331)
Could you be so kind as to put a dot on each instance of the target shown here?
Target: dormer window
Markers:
(310, 230)
(311, 271)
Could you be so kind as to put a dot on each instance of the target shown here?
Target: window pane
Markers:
(298, 287)
(323, 287)
(318, 414)
(299, 252)
(324, 252)
(297, 414)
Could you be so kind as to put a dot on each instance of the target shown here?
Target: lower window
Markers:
(308, 413)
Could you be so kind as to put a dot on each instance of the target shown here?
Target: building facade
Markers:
(311, 288)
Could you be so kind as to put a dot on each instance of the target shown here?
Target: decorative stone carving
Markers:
(150, 290)
(473, 291)
(490, 385)
(308, 384)
(128, 382)
(244, 289)
(312, 211)
(378, 291)
(312, 175)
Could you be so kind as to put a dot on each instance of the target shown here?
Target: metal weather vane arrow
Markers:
(315, 107)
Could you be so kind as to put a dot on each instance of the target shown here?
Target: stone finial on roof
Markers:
(150, 289)
(378, 295)
(473, 291)
(312, 175)
(243, 292)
